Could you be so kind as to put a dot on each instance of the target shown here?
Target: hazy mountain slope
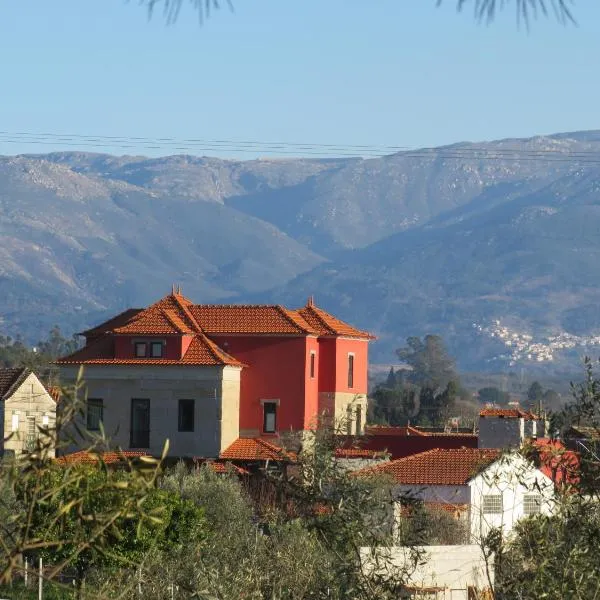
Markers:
(530, 262)
(361, 202)
(69, 239)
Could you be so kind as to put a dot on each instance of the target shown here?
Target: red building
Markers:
(204, 375)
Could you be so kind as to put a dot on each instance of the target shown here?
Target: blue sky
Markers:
(348, 72)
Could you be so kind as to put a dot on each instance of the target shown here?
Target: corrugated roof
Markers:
(435, 467)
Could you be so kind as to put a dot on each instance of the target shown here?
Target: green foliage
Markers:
(431, 364)
(15, 353)
(422, 525)
(493, 395)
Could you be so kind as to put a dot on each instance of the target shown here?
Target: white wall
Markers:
(512, 477)
(26, 409)
(214, 389)
(454, 568)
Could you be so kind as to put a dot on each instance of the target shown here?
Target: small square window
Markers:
(269, 417)
(492, 504)
(140, 349)
(95, 413)
(532, 504)
(186, 415)
(156, 349)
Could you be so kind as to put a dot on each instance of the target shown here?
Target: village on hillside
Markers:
(276, 401)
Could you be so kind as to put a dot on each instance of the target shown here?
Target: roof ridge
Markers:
(284, 311)
(19, 378)
(187, 312)
(315, 310)
(218, 353)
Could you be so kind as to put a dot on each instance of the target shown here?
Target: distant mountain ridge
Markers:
(438, 240)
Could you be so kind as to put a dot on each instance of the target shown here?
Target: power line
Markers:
(296, 149)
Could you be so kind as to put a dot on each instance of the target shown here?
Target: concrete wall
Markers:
(342, 408)
(512, 477)
(501, 432)
(452, 568)
(450, 494)
(28, 408)
(214, 389)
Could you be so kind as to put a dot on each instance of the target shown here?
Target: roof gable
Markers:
(328, 325)
(11, 379)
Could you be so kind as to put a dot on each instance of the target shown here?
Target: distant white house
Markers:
(26, 411)
(505, 491)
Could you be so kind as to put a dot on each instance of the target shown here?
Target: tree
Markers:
(493, 395)
(535, 393)
(485, 10)
(431, 364)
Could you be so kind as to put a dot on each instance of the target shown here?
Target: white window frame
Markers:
(532, 501)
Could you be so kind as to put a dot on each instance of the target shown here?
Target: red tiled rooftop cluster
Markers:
(436, 467)
(255, 449)
(84, 457)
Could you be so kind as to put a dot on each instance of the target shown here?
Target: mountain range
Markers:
(443, 240)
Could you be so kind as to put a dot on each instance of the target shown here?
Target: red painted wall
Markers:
(311, 403)
(277, 368)
(360, 349)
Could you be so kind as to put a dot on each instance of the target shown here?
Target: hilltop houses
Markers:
(204, 376)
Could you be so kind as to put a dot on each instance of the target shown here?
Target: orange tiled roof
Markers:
(84, 457)
(359, 453)
(112, 323)
(222, 468)
(388, 430)
(249, 319)
(510, 413)
(255, 449)
(201, 351)
(435, 467)
(326, 324)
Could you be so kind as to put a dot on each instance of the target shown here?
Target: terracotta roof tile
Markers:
(222, 468)
(153, 321)
(85, 457)
(359, 453)
(201, 351)
(387, 430)
(255, 449)
(249, 319)
(435, 467)
(112, 323)
(11, 379)
(510, 413)
(326, 324)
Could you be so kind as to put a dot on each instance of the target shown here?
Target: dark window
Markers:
(156, 349)
(349, 420)
(95, 413)
(350, 370)
(269, 417)
(358, 420)
(140, 423)
(186, 415)
(312, 365)
(140, 349)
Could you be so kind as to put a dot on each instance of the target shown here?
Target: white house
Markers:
(27, 410)
(505, 491)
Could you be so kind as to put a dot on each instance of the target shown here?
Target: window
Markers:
(312, 365)
(350, 370)
(531, 504)
(269, 417)
(186, 415)
(15, 421)
(140, 349)
(95, 413)
(156, 349)
(349, 420)
(358, 420)
(45, 420)
(492, 504)
(140, 423)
